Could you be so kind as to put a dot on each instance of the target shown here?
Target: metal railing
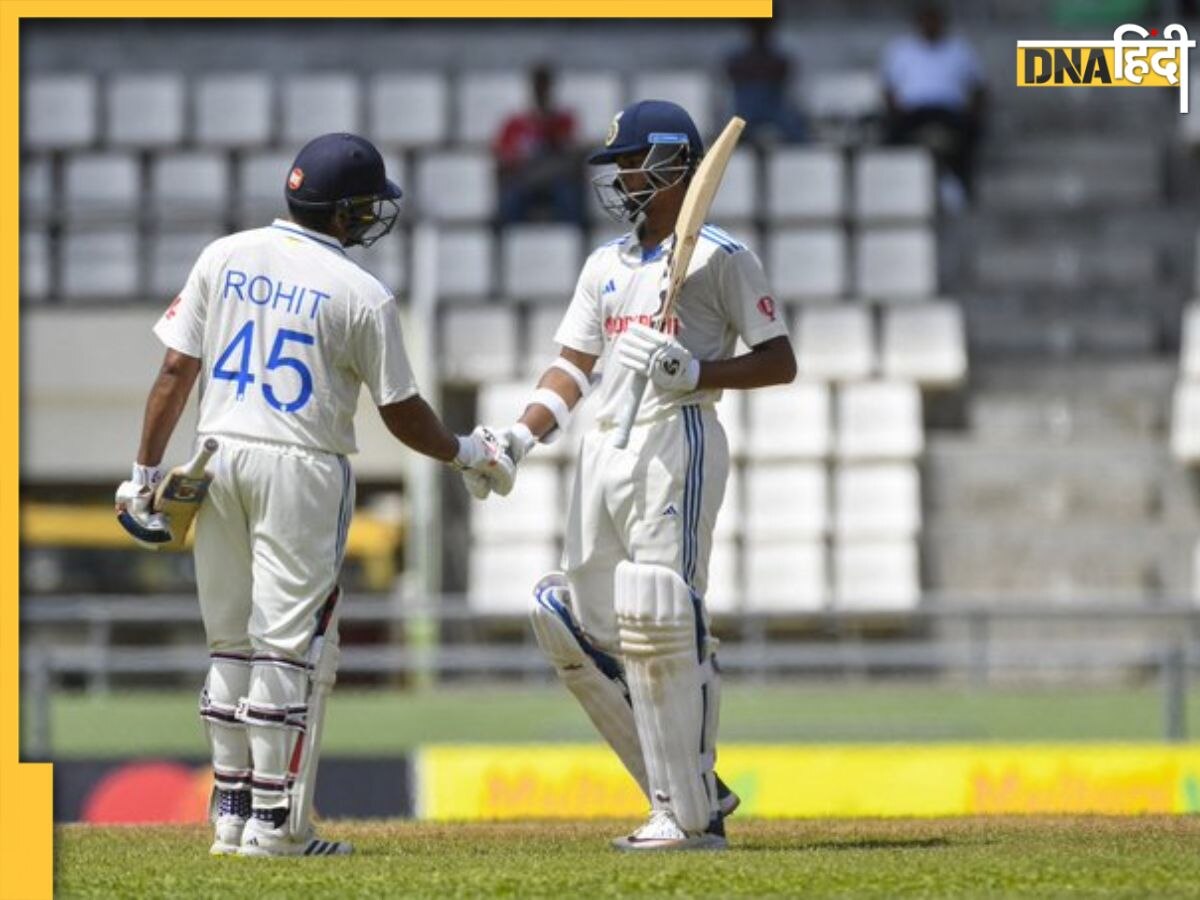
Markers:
(969, 640)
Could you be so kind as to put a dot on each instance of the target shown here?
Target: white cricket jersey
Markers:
(725, 297)
(288, 329)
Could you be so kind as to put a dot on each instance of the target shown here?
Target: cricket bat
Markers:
(178, 497)
(696, 202)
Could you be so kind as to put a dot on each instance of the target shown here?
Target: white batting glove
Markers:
(663, 360)
(133, 499)
(517, 440)
(483, 452)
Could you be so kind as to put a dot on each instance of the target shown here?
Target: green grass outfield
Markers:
(385, 721)
(1003, 857)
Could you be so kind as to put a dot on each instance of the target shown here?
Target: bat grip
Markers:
(629, 411)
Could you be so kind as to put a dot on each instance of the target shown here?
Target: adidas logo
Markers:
(609, 287)
(670, 510)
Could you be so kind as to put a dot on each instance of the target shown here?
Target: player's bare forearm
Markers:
(165, 405)
(414, 423)
(537, 418)
(771, 362)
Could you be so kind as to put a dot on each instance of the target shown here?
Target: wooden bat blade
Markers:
(182, 492)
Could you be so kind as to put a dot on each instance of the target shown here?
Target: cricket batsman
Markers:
(282, 328)
(625, 624)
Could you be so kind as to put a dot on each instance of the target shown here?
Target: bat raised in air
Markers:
(178, 498)
(696, 202)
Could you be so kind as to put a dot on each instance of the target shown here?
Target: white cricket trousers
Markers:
(270, 540)
(654, 502)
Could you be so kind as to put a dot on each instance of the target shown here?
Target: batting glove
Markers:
(663, 360)
(482, 451)
(517, 441)
(134, 512)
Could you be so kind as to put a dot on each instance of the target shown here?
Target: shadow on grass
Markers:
(932, 843)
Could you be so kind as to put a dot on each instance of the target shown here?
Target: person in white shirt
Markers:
(281, 329)
(935, 93)
(625, 624)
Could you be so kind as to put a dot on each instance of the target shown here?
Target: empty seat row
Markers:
(864, 421)
(403, 107)
(778, 577)
(801, 184)
(1185, 406)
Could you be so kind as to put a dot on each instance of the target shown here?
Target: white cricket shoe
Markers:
(260, 839)
(227, 836)
(662, 832)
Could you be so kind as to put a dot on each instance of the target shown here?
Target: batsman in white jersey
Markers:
(625, 624)
(282, 328)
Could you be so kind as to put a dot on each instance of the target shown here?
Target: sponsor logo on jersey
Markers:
(766, 306)
(296, 178)
(614, 325)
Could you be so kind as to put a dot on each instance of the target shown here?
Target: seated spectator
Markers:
(538, 163)
(934, 89)
(761, 74)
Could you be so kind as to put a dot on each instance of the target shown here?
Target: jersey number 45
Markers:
(239, 348)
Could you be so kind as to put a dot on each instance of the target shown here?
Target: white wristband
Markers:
(145, 475)
(554, 402)
(577, 374)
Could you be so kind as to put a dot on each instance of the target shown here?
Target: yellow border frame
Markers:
(26, 790)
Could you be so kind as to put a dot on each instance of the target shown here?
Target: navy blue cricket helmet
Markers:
(345, 174)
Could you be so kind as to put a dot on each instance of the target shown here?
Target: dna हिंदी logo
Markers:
(1134, 57)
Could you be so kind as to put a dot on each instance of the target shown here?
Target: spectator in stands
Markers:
(934, 89)
(538, 163)
(761, 75)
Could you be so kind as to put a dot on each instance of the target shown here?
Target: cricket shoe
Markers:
(261, 838)
(662, 832)
(727, 800)
(230, 811)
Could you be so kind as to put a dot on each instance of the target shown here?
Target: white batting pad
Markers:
(657, 622)
(594, 677)
(227, 682)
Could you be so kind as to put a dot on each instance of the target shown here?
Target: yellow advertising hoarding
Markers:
(811, 781)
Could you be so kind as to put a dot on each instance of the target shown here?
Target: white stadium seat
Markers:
(789, 421)
(723, 594)
(37, 188)
(876, 576)
(1185, 422)
(316, 104)
(502, 401)
(260, 189)
(879, 420)
(808, 263)
(35, 264)
(485, 99)
(464, 263)
(540, 327)
(172, 255)
(235, 110)
(689, 88)
(806, 184)
(501, 576)
(893, 184)
(896, 264)
(533, 512)
(594, 97)
(842, 94)
(456, 186)
(100, 265)
(1190, 343)
(783, 577)
(540, 261)
(737, 196)
(102, 186)
(58, 112)
(835, 343)
(876, 500)
(479, 343)
(145, 109)
(786, 500)
(1196, 573)
(408, 109)
(925, 343)
(189, 186)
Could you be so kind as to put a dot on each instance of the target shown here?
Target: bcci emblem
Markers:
(1134, 57)
(612, 130)
(296, 178)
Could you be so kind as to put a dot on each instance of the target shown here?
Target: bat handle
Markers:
(629, 412)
